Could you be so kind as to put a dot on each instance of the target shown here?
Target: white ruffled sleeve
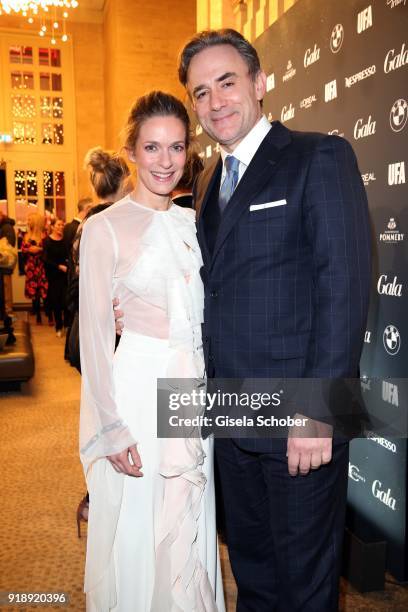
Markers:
(102, 431)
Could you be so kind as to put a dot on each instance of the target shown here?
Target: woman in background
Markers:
(56, 267)
(109, 175)
(36, 284)
(182, 195)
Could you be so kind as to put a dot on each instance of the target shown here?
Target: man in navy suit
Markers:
(283, 227)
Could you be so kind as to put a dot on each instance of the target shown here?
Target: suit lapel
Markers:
(256, 175)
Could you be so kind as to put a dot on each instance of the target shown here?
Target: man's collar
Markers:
(250, 144)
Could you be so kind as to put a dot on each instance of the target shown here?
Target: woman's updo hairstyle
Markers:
(107, 171)
(154, 104)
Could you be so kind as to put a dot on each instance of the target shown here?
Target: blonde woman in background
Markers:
(36, 284)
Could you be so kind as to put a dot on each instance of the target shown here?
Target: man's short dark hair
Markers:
(84, 203)
(211, 38)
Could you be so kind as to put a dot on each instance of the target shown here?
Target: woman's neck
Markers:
(149, 199)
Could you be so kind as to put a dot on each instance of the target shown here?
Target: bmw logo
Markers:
(336, 38)
(399, 115)
(391, 340)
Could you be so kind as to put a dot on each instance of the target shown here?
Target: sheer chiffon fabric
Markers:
(152, 542)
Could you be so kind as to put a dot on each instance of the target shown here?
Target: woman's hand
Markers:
(62, 267)
(125, 465)
(118, 314)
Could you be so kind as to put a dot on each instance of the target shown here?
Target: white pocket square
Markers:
(267, 205)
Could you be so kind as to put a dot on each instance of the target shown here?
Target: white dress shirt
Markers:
(247, 148)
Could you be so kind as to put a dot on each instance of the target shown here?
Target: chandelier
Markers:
(51, 15)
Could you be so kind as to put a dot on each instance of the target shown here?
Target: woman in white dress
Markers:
(152, 544)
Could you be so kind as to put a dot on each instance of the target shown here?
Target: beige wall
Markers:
(142, 42)
(250, 17)
(88, 50)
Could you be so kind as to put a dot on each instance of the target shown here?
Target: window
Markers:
(49, 57)
(20, 55)
(22, 80)
(26, 193)
(23, 107)
(24, 132)
(50, 81)
(52, 133)
(54, 192)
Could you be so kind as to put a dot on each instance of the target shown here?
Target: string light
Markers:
(55, 10)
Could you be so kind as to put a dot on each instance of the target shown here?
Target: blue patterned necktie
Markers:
(230, 181)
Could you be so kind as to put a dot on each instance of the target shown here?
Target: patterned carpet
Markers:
(42, 483)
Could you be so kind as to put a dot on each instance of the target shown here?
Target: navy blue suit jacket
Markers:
(286, 287)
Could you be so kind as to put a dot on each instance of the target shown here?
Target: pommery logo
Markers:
(290, 72)
(391, 234)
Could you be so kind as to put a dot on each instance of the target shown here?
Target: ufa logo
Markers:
(364, 19)
(270, 82)
(336, 38)
(396, 173)
(391, 340)
(330, 91)
(399, 115)
(390, 393)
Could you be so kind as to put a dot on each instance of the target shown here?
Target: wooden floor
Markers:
(42, 483)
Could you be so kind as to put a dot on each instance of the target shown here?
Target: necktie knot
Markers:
(231, 164)
(230, 181)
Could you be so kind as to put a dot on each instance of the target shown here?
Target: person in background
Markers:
(56, 267)
(70, 228)
(7, 228)
(182, 195)
(36, 284)
(109, 175)
(7, 231)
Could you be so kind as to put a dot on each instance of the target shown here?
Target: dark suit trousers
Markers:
(284, 533)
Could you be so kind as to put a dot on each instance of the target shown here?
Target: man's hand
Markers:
(309, 447)
(125, 465)
(118, 314)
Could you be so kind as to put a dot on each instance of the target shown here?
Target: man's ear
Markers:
(260, 85)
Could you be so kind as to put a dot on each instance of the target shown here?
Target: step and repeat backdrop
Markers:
(342, 68)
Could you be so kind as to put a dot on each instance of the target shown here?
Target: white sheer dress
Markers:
(152, 543)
